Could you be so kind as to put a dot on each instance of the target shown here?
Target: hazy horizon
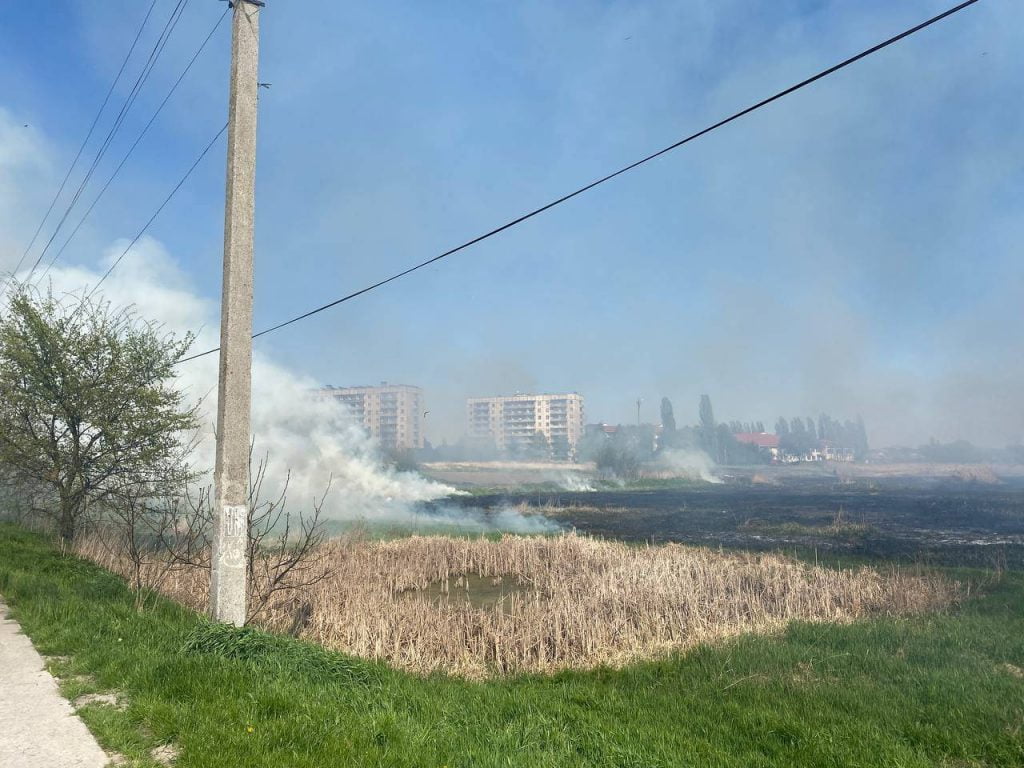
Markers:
(852, 249)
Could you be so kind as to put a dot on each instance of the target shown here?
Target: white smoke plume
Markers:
(693, 464)
(506, 518)
(314, 439)
(575, 482)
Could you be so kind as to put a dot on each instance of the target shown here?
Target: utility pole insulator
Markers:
(231, 474)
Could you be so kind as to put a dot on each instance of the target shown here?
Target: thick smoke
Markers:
(313, 439)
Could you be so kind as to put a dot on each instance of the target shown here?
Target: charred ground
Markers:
(945, 522)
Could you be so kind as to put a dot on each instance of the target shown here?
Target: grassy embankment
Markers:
(934, 690)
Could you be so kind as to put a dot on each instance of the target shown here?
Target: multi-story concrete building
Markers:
(392, 413)
(536, 425)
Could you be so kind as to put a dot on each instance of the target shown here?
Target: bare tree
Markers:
(146, 519)
(25, 503)
(285, 548)
(145, 531)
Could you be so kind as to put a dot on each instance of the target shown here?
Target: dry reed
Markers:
(582, 602)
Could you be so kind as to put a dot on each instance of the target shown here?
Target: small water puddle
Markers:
(481, 592)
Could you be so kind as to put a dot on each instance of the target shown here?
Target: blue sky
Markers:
(854, 248)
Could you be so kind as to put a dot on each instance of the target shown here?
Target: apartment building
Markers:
(528, 425)
(392, 413)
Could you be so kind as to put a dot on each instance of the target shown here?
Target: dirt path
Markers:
(38, 727)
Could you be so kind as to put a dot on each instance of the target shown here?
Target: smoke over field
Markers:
(680, 463)
(313, 439)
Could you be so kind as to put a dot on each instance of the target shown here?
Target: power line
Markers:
(158, 210)
(764, 102)
(81, 149)
(147, 68)
(131, 149)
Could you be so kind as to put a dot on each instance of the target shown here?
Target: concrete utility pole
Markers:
(231, 475)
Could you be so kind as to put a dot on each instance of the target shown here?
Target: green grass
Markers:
(840, 530)
(938, 690)
(417, 527)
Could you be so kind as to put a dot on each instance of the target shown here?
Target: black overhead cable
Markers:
(156, 213)
(81, 149)
(131, 149)
(158, 47)
(602, 180)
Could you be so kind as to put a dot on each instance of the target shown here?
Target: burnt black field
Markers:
(907, 519)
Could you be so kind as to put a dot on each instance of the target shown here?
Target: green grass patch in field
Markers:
(422, 526)
(926, 691)
(839, 529)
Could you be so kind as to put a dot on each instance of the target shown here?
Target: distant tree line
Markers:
(800, 436)
(746, 427)
(958, 452)
(624, 449)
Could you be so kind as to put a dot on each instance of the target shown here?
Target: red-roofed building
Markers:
(764, 442)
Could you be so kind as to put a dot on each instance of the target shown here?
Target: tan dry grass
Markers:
(588, 602)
